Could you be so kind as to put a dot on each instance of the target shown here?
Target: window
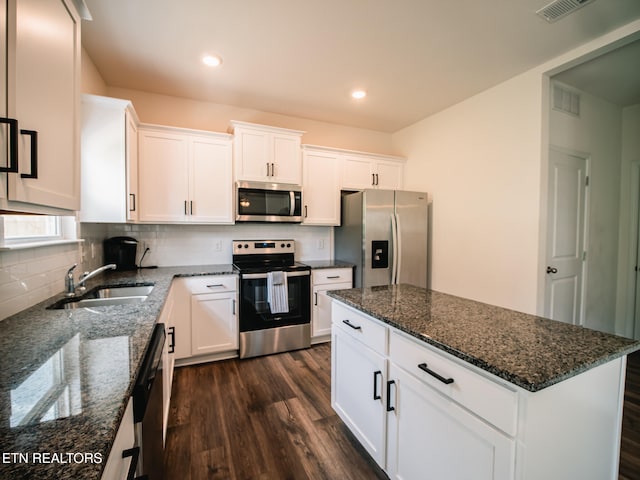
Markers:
(16, 230)
(31, 227)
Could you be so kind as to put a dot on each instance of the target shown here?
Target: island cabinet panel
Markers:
(357, 380)
(429, 436)
(445, 418)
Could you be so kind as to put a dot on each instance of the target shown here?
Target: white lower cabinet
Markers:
(429, 436)
(205, 318)
(410, 426)
(357, 383)
(121, 455)
(322, 281)
(424, 414)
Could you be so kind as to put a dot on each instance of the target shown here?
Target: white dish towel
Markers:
(277, 292)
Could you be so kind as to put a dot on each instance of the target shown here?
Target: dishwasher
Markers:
(147, 409)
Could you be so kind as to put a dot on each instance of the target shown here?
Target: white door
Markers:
(213, 323)
(357, 392)
(211, 182)
(47, 104)
(431, 437)
(565, 237)
(163, 176)
(321, 189)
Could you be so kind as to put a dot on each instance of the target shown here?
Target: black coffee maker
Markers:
(121, 251)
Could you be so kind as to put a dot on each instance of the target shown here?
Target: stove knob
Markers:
(282, 245)
(288, 245)
(246, 245)
(239, 246)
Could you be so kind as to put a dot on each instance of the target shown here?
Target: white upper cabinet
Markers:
(43, 77)
(362, 170)
(109, 159)
(266, 154)
(320, 186)
(184, 176)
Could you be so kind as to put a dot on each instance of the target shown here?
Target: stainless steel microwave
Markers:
(268, 202)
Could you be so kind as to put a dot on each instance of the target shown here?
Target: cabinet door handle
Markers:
(273, 169)
(132, 203)
(373, 179)
(424, 368)
(355, 327)
(191, 207)
(186, 212)
(315, 299)
(389, 407)
(233, 307)
(376, 395)
(268, 171)
(377, 179)
(172, 341)
(134, 453)
(306, 212)
(13, 145)
(34, 154)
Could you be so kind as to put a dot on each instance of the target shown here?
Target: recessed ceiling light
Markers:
(211, 60)
(358, 94)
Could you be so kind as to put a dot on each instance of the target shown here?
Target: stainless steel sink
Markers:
(119, 291)
(102, 302)
(106, 295)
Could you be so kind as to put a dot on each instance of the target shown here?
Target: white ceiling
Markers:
(303, 57)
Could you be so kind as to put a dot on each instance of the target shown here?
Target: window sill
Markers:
(44, 243)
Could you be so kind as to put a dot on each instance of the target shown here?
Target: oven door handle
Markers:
(251, 276)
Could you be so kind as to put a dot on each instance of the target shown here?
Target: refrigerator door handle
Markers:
(394, 240)
(398, 252)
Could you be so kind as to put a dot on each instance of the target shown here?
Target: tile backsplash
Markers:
(29, 276)
(32, 275)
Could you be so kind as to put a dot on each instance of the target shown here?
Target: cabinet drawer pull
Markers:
(34, 154)
(376, 395)
(355, 327)
(333, 277)
(172, 335)
(134, 453)
(389, 407)
(424, 368)
(216, 285)
(13, 145)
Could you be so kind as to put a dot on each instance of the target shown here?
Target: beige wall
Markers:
(483, 161)
(91, 81)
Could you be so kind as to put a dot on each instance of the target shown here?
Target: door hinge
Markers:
(586, 180)
(584, 256)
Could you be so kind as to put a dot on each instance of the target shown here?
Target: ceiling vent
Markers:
(561, 8)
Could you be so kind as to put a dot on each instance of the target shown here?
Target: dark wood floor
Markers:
(267, 418)
(270, 418)
(630, 446)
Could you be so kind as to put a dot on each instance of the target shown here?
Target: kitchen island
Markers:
(439, 386)
(67, 376)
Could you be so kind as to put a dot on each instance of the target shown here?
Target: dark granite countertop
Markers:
(320, 264)
(529, 351)
(81, 364)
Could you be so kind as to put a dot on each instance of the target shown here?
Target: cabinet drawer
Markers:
(491, 401)
(212, 284)
(331, 275)
(367, 330)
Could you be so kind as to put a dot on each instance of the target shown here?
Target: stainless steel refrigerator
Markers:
(384, 233)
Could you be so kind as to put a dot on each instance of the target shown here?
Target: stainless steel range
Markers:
(275, 297)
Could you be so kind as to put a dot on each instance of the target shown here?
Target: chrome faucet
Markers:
(71, 286)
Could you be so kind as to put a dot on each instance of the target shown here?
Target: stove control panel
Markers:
(253, 247)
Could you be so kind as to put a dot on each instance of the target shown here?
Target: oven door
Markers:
(278, 203)
(254, 308)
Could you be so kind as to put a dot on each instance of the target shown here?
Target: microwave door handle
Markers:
(292, 203)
